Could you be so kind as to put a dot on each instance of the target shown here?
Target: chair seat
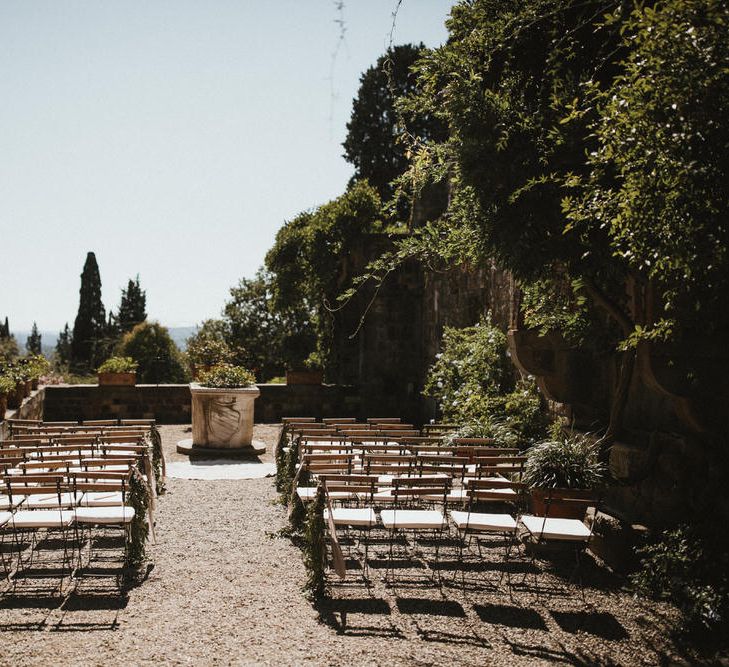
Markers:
(486, 522)
(41, 519)
(308, 493)
(5, 503)
(104, 515)
(456, 496)
(50, 500)
(413, 519)
(556, 528)
(348, 516)
(101, 499)
(4, 517)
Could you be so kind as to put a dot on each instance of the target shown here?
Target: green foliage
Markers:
(657, 181)
(90, 326)
(374, 143)
(37, 365)
(227, 376)
(138, 498)
(118, 365)
(33, 342)
(309, 260)
(158, 459)
(472, 365)
(63, 349)
(473, 381)
(269, 334)
(315, 548)
(132, 307)
(689, 567)
(7, 384)
(208, 345)
(159, 359)
(566, 462)
(8, 348)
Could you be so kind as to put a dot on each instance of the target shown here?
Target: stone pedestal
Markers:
(222, 419)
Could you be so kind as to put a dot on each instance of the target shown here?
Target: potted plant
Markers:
(562, 462)
(38, 366)
(117, 371)
(7, 386)
(19, 375)
(205, 350)
(222, 407)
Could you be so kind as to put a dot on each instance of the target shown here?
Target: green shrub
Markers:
(315, 548)
(118, 365)
(151, 346)
(689, 567)
(7, 384)
(208, 346)
(567, 462)
(227, 376)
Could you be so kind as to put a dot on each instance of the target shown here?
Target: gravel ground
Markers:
(223, 589)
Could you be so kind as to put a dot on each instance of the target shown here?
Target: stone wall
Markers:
(170, 403)
(167, 403)
(30, 408)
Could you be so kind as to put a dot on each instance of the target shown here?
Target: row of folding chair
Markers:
(60, 480)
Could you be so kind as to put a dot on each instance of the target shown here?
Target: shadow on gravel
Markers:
(429, 607)
(510, 616)
(600, 624)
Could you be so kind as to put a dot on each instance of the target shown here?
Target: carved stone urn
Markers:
(222, 420)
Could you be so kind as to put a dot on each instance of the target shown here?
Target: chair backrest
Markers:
(339, 420)
(413, 488)
(298, 420)
(481, 490)
(383, 420)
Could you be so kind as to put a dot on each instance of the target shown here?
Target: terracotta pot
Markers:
(313, 376)
(15, 397)
(34, 384)
(28, 387)
(117, 379)
(557, 510)
(3, 406)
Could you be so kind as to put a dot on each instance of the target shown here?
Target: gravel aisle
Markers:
(224, 591)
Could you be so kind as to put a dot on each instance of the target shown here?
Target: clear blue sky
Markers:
(173, 138)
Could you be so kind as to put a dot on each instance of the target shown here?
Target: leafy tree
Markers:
(151, 346)
(33, 342)
(267, 336)
(133, 305)
(8, 345)
(63, 348)
(374, 133)
(309, 262)
(90, 325)
(586, 141)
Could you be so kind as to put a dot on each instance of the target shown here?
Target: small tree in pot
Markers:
(562, 462)
(118, 371)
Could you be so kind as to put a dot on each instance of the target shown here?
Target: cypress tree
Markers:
(63, 347)
(5, 329)
(133, 306)
(90, 324)
(33, 342)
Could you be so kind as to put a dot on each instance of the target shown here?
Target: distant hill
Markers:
(49, 338)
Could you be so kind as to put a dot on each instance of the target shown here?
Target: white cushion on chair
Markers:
(484, 521)
(101, 499)
(119, 514)
(308, 493)
(347, 516)
(454, 496)
(425, 519)
(42, 519)
(556, 529)
(4, 517)
(5, 502)
(50, 500)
